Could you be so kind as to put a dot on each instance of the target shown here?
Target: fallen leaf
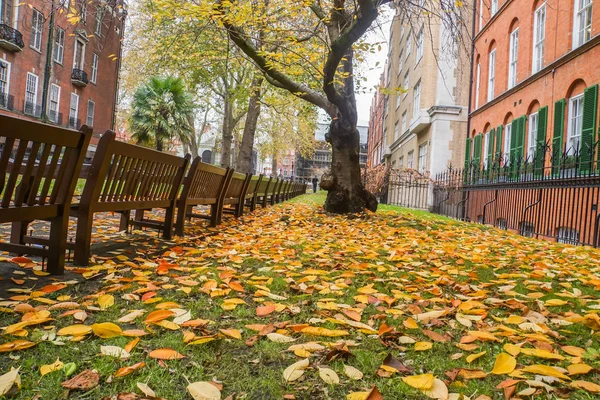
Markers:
(352, 373)
(296, 370)
(329, 376)
(421, 382)
(83, 381)
(204, 391)
(505, 364)
(165, 354)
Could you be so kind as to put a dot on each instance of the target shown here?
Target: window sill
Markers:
(36, 50)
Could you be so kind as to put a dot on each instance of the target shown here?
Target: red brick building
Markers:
(535, 79)
(376, 145)
(80, 42)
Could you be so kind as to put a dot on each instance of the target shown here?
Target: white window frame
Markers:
(420, 45)
(494, 7)
(513, 55)
(574, 124)
(532, 135)
(83, 10)
(491, 75)
(59, 45)
(582, 24)
(75, 66)
(94, 73)
(417, 99)
(410, 159)
(480, 15)
(404, 122)
(396, 130)
(406, 83)
(37, 22)
(398, 98)
(35, 93)
(507, 133)
(6, 82)
(408, 44)
(54, 101)
(539, 36)
(400, 63)
(73, 115)
(478, 85)
(423, 158)
(401, 162)
(486, 148)
(99, 18)
(92, 115)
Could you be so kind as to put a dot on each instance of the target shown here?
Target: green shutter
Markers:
(557, 138)
(477, 151)
(588, 127)
(514, 129)
(522, 126)
(499, 135)
(468, 153)
(490, 154)
(540, 148)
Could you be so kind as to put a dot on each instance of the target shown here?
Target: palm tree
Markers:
(162, 110)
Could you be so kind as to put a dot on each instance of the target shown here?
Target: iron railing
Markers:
(11, 35)
(74, 123)
(79, 75)
(7, 101)
(552, 195)
(32, 109)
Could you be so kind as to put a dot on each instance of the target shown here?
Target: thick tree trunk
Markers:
(159, 144)
(192, 143)
(274, 166)
(244, 161)
(345, 190)
(227, 133)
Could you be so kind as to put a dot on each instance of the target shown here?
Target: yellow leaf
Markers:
(555, 302)
(545, 370)
(203, 340)
(296, 370)
(55, 366)
(107, 330)
(75, 330)
(573, 351)
(438, 391)
(505, 364)
(421, 382)
(474, 357)
(329, 376)
(512, 349)
(579, 369)
(542, 354)
(482, 335)
(422, 346)
(315, 331)
(352, 373)
(589, 386)
(9, 379)
(410, 323)
(234, 333)
(204, 391)
(105, 301)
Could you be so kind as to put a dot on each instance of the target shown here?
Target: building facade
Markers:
(60, 60)
(538, 89)
(375, 148)
(426, 95)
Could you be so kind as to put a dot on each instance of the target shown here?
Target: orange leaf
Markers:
(264, 310)
(158, 315)
(128, 370)
(166, 354)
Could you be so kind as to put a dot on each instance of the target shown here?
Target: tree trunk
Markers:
(274, 166)
(244, 162)
(227, 133)
(192, 143)
(159, 144)
(345, 190)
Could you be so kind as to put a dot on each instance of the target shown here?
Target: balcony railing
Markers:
(79, 77)
(55, 117)
(74, 123)
(32, 109)
(7, 101)
(10, 38)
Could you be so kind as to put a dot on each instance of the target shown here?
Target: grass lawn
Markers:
(394, 294)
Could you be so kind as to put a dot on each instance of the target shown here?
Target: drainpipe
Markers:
(48, 67)
(114, 108)
(471, 72)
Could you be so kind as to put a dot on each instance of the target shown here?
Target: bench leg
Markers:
(58, 245)
(253, 203)
(168, 226)
(125, 215)
(83, 240)
(239, 209)
(214, 214)
(188, 212)
(218, 213)
(18, 232)
(180, 222)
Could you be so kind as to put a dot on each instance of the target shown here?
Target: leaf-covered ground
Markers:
(415, 305)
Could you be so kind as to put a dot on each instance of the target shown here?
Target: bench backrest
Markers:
(204, 183)
(236, 186)
(124, 176)
(253, 185)
(275, 187)
(39, 163)
(263, 186)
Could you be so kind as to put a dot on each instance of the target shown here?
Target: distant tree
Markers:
(162, 110)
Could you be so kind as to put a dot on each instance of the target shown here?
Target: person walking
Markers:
(315, 181)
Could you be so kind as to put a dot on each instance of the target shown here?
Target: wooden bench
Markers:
(39, 183)
(204, 185)
(236, 192)
(272, 193)
(261, 191)
(252, 192)
(125, 177)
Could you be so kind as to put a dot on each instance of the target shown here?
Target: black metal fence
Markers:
(552, 196)
(409, 188)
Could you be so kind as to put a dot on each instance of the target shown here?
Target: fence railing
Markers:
(551, 196)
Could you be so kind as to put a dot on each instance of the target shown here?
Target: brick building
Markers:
(536, 79)
(80, 42)
(375, 143)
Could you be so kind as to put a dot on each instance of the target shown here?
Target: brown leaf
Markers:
(83, 381)
(436, 337)
(393, 362)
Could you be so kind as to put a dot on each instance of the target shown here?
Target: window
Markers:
(79, 56)
(408, 44)
(401, 162)
(401, 63)
(477, 85)
(526, 229)
(533, 127)
(31, 90)
(491, 75)
(98, 30)
(420, 44)
(486, 148)
(83, 10)
(494, 7)
(94, 68)
(36, 30)
(73, 111)
(567, 235)
(582, 26)
(539, 33)
(502, 223)
(396, 132)
(409, 161)
(513, 57)
(507, 133)
(59, 45)
(417, 100)
(54, 105)
(423, 158)
(6, 12)
(480, 14)
(398, 97)
(89, 121)
(389, 76)
(574, 124)
(4, 84)
(404, 121)
(65, 3)
(406, 84)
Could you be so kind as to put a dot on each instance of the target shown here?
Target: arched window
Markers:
(532, 128)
